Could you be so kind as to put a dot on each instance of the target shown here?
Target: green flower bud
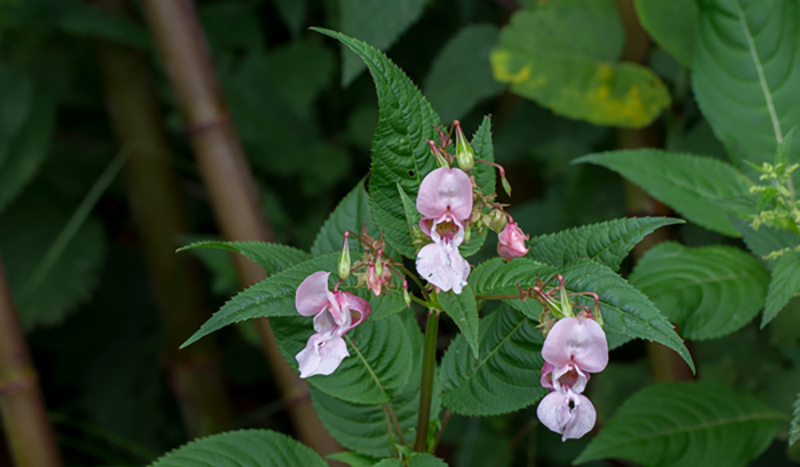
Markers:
(497, 220)
(506, 185)
(344, 259)
(464, 154)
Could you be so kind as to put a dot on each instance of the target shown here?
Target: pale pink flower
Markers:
(566, 412)
(511, 242)
(574, 348)
(445, 201)
(333, 314)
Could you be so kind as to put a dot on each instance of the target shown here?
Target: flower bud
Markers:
(506, 185)
(467, 233)
(511, 242)
(406, 295)
(566, 306)
(464, 153)
(497, 220)
(344, 259)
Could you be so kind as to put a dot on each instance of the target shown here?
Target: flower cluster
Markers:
(451, 203)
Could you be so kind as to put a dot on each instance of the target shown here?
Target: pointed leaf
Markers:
(484, 177)
(684, 182)
(626, 311)
(766, 239)
(352, 214)
(607, 242)
(273, 257)
(463, 310)
(400, 151)
(686, 424)
(378, 367)
(671, 23)
(410, 210)
(784, 285)
(353, 459)
(708, 292)
(746, 60)
(794, 431)
(505, 377)
(243, 448)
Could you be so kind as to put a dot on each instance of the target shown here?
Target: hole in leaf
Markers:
(411, 173)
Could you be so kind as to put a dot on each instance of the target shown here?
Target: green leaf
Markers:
(678, 424)
(400, 151)
(784, 285)
(607, 242)
(93, 21)
(28, 229)
(378, 367)
(766, 239)
(627, 313)
(461, 75)
(243, 448)
(505, 377)
(463, 310)
(426, 460)
(484, 177)
(376, 22)
(709, 292)
(27, 114)
(299, 71)
(684, 182)
(274, 296)
(273, 257)
(217, 18)
(389, 463)
(292, 12)
(352, 214)
(353, 459)
(410, 210)
(745, 61)
(794, 431)
(671, 23)
(562, 54)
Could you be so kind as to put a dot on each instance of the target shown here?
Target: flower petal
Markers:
(443, 266)
(445, 189)
(582, 418)
(572, 415)
(360, 305)
(312, 294)
(553, 411)
(511, 242)
(322, 355)
(582, 341)
(547, 375)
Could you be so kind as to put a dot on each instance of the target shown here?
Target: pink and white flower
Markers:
(334, 314)
(511, 242)
(445, 201)
(574, 348)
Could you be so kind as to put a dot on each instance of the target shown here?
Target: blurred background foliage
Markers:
(305, 111)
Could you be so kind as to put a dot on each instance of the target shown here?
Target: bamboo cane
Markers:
(30, 435)
(218, 152)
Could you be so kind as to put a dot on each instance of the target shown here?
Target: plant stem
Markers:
(30, 435)
(158, 209)
(426, 382)
(446, 419)
(499, 297)
(229, 182)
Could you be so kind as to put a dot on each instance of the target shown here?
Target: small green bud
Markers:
(464, 153)
(497, 220)
(344, 259)
(566, 306)
(506, 185)
(467, 233)
(406, 295)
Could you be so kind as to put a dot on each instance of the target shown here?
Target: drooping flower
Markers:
(334, 314)
(445, 201)
(574, 348)
(566, 412)
(511, 242)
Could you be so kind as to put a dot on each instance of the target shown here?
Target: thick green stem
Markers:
(24, 415)
(426, 383)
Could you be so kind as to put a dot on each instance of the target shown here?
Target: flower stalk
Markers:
(426, 382)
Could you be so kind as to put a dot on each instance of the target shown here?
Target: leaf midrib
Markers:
(367, 365)
(496, 349)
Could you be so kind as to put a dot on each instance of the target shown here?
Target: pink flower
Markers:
(376, 281)
(333, 317)
(445, 201)
(511, 242)
(568, 413)
(573, 349)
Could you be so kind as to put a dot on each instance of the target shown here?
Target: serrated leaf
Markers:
(29, 111)
(378, 367)
(399, 149)
(794, 431)
(684, 182)
(272, 257)
(418, 460)
(745, 61)
(28, 230)
(353, 459)
(766, 239)
(463, 310)
(410, 210)
(243, 448)
(785, 283)
(364, 427)
(376, 22)
(627, 313)
(671, 23)
(678, 424)
(505, 377)
(461, 75)
(607, 242)
(708, 292)
(562, 55)
(484, 177)
(352, 214)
